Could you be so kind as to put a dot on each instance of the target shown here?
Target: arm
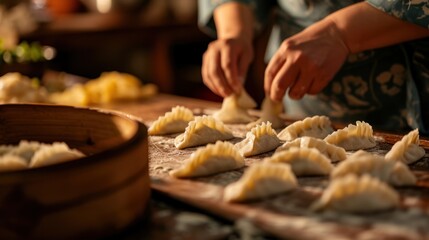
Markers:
(307, 61)
(226, 61)
(364, 27)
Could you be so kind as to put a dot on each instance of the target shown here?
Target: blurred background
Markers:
(158, 41)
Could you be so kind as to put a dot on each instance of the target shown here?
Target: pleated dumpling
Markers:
(407, 150)
(262, 138)
(174, 121)
(202, 130)
(212, 159)
(333, 152)
(317, 126)
(9, 162)
(357, 194)
(235, 108)
(261, 180)
(303, 161)
(361, 163)
(353, 137)
(56, 153)
(270, 112)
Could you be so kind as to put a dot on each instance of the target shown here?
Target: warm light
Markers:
(104, 6)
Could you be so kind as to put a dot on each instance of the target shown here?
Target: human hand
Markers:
(225, 64)
(305, 62)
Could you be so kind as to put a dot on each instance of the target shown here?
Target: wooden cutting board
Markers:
(288, 215)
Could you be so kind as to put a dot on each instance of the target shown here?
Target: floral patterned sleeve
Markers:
(206, 7)
(415, 11)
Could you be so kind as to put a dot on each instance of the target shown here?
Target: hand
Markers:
(225, 64)
(305, 62)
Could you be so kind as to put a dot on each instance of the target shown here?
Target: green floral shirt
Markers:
(387, 87)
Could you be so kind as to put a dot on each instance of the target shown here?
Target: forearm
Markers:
(234, 20)
(364, 27)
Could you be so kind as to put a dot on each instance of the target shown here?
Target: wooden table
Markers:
(167, 218)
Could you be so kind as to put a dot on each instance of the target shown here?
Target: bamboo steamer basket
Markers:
(87, 198)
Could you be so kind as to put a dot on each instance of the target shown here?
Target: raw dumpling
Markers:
(361, 162)
(353, 137)
(175, 121)
(9, 162)
(317, 126)
(212, 159)
(260, 139)
(261, 180)
(202, 130)
(407, 150)
(304, 161)
(331, 151)
(357, 194)
(270, 112)
(52, 154)
(235, 108)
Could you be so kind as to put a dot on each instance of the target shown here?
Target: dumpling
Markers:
(331, 151)
(174, 121)
(260, 139)
(26, 149)
(353, 137)
(9, 162)
(357, 194)
(235, 108)
(407, 150)
(304, 161)
(361, 162)
(317, 126)
(261, 180)
(202, 130)
(52, 154)
(212, 159)
(270, 112)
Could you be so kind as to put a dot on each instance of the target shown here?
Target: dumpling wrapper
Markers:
(304, 161)
(407, 150)
(353, 194)
(54, 154)
(202, 130)
(262, 138)
(235, 108)
(365, 163)
(261, 180)
(174, 121)
(333, 152)
(212, 159)
(9, 162)
(270, 112)
(353, 137)
(317, 126)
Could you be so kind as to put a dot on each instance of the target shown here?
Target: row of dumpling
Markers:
(32, 154)
(262, 137)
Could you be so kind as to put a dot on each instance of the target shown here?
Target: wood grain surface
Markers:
(286, 215)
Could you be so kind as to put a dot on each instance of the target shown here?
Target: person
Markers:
(347, 59)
